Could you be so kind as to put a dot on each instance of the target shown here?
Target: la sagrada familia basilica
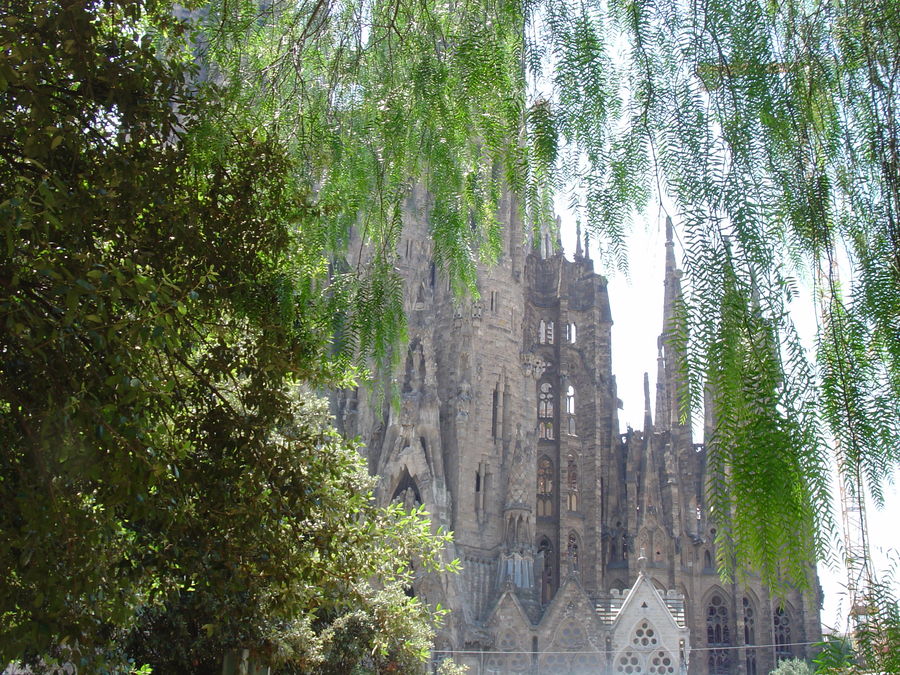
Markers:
(583, 549)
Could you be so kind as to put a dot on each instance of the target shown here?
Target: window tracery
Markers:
(782, 624)
(545, 411)
(545, 401)
(750, 636)
(661, 663)
(629, 663)
(572, 484)
(546, 430)
(545, 332)
(718, 634)
(644, 636)
(545, 487)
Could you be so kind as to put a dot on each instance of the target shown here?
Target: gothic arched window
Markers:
(718, 663)
(545, 476)
(570, 400)
(545, 401)
(572, 483)
(718, 634)
(545, 411)
(545, 549)
(750, 635)
(546, 430)
(545, 487)
(782, 624)
(545, 332)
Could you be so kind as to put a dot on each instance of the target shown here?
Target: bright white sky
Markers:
(636, 304)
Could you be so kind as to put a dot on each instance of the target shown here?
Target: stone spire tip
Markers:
(648, 419)
(646, 393)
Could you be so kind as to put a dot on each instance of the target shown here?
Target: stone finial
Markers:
(578, 254)
(642, 561)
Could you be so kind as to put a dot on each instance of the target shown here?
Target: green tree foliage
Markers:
(878, 633)
(167, 493)
(771, 128)
(168, 241)
(450, 667)
(872, 646)
(793, 667)
(836, 656)
(373, 98)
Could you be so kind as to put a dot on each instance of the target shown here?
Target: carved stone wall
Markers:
(584, 550)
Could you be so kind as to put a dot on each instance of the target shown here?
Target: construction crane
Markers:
(857, 559)
(856, 549)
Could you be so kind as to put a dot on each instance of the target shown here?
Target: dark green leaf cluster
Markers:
(372, 100)
(760, 491)
(793, 667)
(180, 242)
(167, 494)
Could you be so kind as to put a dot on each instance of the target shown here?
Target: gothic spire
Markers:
(648, 420)
(672, 280)
(669, 379)
(578, 240)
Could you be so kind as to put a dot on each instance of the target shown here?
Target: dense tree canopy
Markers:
(770, 129)
(168, 492)
(170, 230)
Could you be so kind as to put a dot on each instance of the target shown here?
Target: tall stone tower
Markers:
(583, 550)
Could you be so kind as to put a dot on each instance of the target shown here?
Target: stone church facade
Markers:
(584, 550)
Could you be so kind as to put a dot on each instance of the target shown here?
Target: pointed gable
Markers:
(513, 631)
(508, 611)
(574, 645)
(647, 638)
